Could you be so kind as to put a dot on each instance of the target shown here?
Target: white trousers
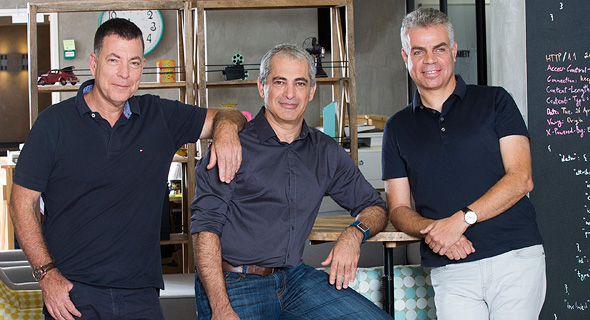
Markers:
(511, 285)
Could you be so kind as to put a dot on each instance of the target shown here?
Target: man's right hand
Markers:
(229, 315)
(461, 249)
(56, 296)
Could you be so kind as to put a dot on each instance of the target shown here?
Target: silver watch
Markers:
(470, 216)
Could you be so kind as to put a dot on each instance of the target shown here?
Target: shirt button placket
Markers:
(443, 129)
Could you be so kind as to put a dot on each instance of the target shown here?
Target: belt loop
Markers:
(245, 269)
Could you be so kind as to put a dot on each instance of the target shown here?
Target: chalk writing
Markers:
(558, 83)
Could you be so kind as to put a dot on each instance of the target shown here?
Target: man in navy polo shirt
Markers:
(462, 151)
(100, 161)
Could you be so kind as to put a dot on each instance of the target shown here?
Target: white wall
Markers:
(507, 49)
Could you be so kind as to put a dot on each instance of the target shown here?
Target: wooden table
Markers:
(329, 228)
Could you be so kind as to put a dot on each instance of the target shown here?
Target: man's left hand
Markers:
(226, 152)
(343, 259)
(442, 234)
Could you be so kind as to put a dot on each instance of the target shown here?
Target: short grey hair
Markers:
(289, 51)
(424, 18)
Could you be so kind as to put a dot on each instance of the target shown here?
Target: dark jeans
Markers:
(115, 304)
(294, 293)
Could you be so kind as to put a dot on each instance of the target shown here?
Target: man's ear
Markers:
(405, 56)
(260, 88)
(312, 92)
(93, 61)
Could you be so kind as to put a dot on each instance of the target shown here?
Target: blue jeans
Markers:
(293, 293)
(114, 303)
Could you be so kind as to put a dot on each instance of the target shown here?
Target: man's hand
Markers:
(461, 249)
(229, 314)
(442, 234)
(344, 257)
(56, 296)
(226, 152)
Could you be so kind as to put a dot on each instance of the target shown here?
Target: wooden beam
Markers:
(352, 83)
(33, 65)
(269, 4)
(112, 5)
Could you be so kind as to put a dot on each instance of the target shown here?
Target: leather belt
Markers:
(250, 269)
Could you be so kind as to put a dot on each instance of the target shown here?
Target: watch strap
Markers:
(363, 228)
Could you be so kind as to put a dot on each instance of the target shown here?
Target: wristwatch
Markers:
(364, 229)
(40, 272)
(470, 216)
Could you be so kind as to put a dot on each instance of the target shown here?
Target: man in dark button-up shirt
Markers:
(249, 234)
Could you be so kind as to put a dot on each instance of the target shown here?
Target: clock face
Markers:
(149, 22)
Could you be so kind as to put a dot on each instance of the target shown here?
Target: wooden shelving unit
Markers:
(186, 85)
(343, 79)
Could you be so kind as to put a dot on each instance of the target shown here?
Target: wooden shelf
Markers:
(107, 5)
(177, 238)
(268, 4)
(252, 83)
(343, 78)
(185, 35)
(175, 199)
(142, 86)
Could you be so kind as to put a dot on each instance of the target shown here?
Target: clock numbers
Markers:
(148, 21)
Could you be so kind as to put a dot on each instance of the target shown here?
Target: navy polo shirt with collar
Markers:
(451, 158)
(103, 187)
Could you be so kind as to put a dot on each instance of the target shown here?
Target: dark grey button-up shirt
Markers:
(265, 214)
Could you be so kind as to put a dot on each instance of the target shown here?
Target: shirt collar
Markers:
(130, 107)
(460, 90)
(265, 131)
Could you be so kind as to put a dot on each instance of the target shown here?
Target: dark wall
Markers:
(558, 58)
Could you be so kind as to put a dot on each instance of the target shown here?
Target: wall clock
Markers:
(149, 21)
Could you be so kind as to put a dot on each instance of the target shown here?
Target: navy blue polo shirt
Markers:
(451, 158)
(266, 213)
(103, 187)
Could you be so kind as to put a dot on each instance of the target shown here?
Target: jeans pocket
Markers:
(532, 252)
(74, 287)
(233, 277)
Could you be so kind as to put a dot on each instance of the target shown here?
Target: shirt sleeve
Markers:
(210, 207)
(184, 121)
(509, 120)
(349, 188)
(35, 161)
(392, 164)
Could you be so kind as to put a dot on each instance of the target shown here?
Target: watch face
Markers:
(37, 274)
(149, 22)
(470, 217)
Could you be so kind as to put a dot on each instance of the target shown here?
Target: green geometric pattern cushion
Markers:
(413, 293)
(367, 283)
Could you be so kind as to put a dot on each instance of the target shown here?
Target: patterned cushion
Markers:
(413, 292)
(20, 304)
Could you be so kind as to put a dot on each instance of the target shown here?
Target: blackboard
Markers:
(558, 80)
